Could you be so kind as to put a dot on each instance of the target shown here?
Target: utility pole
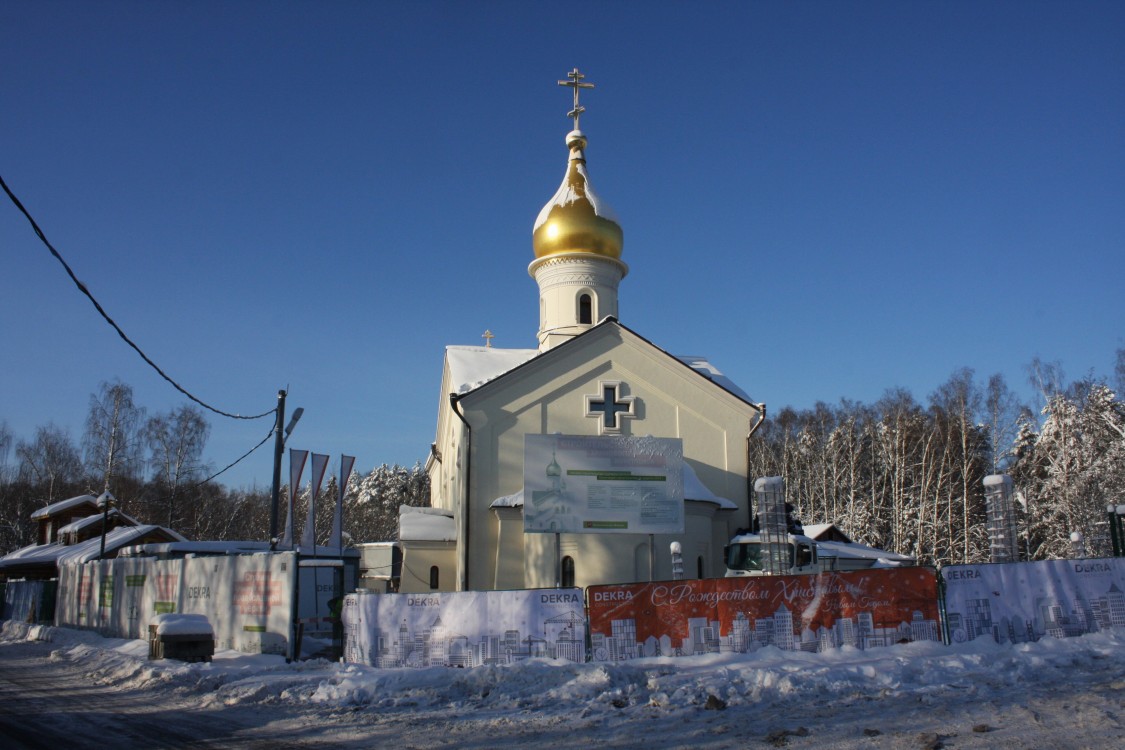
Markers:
(278, 445)
(105, 501)
(279, 437)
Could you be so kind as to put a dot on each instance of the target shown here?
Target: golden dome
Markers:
(575, 220)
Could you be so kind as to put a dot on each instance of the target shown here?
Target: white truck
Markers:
(795, 554)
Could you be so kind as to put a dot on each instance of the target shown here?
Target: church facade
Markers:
(589, 376)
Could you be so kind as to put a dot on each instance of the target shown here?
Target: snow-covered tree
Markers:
(372, 501)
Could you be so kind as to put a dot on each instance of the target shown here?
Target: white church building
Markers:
(589, 376)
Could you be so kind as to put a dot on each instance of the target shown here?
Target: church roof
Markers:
(470, 367)
(576, 220)
(426, 524)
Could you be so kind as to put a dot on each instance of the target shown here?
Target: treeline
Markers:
(153, 466)
(896, 474)
(907, 477)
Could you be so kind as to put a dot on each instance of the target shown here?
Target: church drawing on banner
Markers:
(589, 375)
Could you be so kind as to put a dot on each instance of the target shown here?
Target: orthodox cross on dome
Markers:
(609, 406)
(488, 336)
(575, 83)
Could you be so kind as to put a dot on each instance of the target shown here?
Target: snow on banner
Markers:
(464, 629)
(863, 609)
(1021, 602)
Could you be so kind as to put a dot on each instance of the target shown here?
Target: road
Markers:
(48, 703)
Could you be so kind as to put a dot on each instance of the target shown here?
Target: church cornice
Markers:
(560, 261)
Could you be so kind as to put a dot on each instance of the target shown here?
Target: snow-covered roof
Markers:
(694, 491)
(166, 550)
(816, 530)
(709, 371)
(426, 524)
(515, 500)
(95, 519)
(852, 549)
(57, 553)
(472, 366)
(117, 538)
(33, 554)
(62, 505)
(82, 523)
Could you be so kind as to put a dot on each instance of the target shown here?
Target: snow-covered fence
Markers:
(868, 608)
(1019, 602)
(247, 598)
(464, 629)
(28, 601)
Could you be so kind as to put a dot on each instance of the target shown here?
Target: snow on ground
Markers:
(1054, 693)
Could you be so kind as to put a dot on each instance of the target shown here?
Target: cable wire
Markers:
(236, 461)
(231, 465)
(82, 288)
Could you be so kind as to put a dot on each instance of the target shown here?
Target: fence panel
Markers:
(810, 613)
(1020, 602)
(464, 629)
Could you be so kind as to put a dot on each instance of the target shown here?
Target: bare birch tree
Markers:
(175, 446)
(113, 440)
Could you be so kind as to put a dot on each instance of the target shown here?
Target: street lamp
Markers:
(677, 561)
(105, 500)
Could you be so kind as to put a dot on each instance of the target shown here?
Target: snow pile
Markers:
(182, 624)
(847, 690)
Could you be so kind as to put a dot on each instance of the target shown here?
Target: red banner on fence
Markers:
(809, 613)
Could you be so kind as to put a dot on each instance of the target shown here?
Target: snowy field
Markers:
(1051, 694)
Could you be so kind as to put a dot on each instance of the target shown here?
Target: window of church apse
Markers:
(567, 581)
(585, 309)
(433, 577)
(699, 567)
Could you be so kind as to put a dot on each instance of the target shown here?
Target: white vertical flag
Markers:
(296, 469)
(346, 463)
(319, 464)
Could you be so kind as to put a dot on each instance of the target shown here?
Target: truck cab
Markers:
(750, 555)
(796, 554)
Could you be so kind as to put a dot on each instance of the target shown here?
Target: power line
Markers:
(231, 465)
(82, 288)
(235, 462)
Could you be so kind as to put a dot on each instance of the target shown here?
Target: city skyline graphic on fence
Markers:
(563, 636)
(1058, 616)
(861, 609)
(747, 634)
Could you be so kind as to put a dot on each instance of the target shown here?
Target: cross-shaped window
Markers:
(610, 407)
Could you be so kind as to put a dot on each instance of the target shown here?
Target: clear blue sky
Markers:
(827, 199)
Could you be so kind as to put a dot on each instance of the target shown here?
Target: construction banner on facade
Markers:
(603, 484)
(863, 609)
(464, 629)
(1020, 602)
